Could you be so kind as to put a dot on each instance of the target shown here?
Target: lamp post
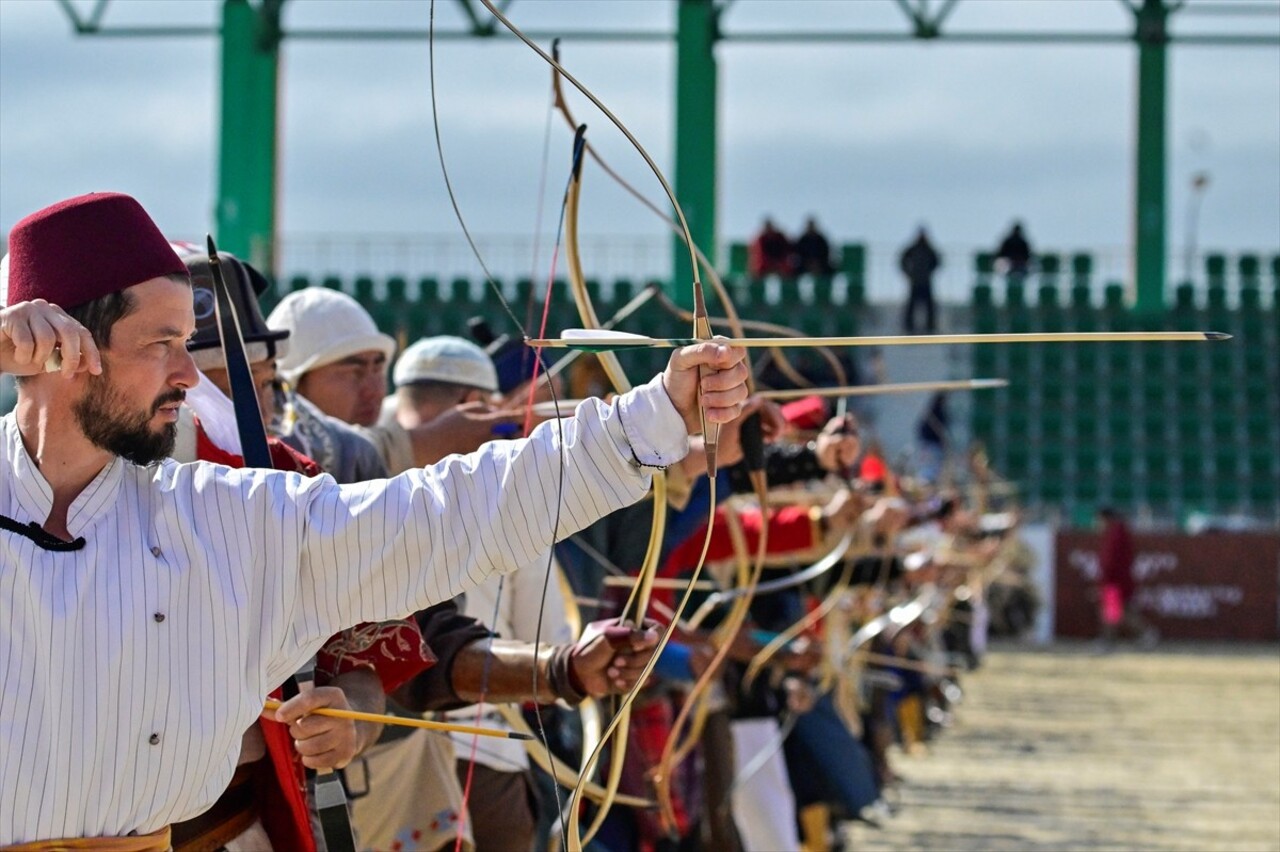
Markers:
(1199, 183)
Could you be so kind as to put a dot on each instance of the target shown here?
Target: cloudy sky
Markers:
(873, 139)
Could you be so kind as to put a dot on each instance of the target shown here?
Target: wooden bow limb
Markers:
(881, 389)
(731, 318)
(702, 329)
(828, 561)
(563, 774)
(739, 327)
(783, 639)
(383, 719)
(616, 341)
(638, 603)
(696, 703)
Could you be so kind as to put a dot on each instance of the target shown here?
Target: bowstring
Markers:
(538, 360)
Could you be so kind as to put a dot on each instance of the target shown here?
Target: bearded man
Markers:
(149, 606)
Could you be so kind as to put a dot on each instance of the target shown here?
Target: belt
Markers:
(230, 816)
(156, 841)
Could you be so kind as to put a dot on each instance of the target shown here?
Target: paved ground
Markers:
(1177, 749)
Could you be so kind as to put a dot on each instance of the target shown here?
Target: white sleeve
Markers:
(382, 549)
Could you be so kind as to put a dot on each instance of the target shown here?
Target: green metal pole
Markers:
(246, 207)
(1150, 218)
(696, 124)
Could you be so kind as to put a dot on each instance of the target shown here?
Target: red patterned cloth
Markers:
(651, 721)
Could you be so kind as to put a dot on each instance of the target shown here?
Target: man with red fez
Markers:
(151, 605)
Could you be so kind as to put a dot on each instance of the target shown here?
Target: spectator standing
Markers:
(1015, 252)
(918, 262)
(770, 253)
(1116, 587)
(813, 251)
(931, 436)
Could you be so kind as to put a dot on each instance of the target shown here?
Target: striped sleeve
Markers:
(381, 549)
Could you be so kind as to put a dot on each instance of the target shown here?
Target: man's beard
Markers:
(111, 424)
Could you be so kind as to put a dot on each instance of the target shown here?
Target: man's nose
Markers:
(184, 374)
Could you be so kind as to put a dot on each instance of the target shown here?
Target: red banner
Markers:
(1208, 586)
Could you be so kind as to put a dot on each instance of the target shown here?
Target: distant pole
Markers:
(1149, 216)
(1199, 183)
(697, 120)
(246, 206)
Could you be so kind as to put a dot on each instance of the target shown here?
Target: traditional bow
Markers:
(330, 798)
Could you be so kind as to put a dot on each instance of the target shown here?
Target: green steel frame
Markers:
(251, 35)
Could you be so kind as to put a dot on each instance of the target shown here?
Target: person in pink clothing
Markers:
(1117, 608)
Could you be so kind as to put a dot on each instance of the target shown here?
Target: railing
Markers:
(609, 257)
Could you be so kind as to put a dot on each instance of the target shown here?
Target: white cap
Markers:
(446, 359)
(324, 326)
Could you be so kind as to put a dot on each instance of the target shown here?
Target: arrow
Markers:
(876, 390)
(381, 719)
(589, 340)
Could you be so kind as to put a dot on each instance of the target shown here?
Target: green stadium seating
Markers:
(738, 259)
(1113, 299)
(1081, 270)
(1258, 428)
(1123, 490)
(1189, 426)
(1050, 270)
(853, 263)
(1195, 489)
(1263, 490)
(1155, 426)
(1250, 269)
(1015, 296)
(1017, 460)
(1085, 426)
(1215, 270)
(1119, 393)
(1187, 357)
(1052, 489)
(1223, 427)
(1159, 492)
(1085, 394)
(1226, 491)
(1155, 392)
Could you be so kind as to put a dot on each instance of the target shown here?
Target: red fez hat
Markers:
(84, 248)
(807, 413)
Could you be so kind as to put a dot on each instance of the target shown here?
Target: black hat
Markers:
(245, 284)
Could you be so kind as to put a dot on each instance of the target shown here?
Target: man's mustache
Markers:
(175, 395)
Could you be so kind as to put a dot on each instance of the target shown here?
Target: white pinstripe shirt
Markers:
(130, 668)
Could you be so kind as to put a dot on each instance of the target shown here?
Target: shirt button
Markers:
(155, 551)
(159, 617)
(154, 739)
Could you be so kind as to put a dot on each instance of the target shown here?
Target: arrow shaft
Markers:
(378, 718)
(876, 390)
(604, 343)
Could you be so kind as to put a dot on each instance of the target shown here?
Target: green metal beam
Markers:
(1150, 218)
(696, 132)
(246, 206)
